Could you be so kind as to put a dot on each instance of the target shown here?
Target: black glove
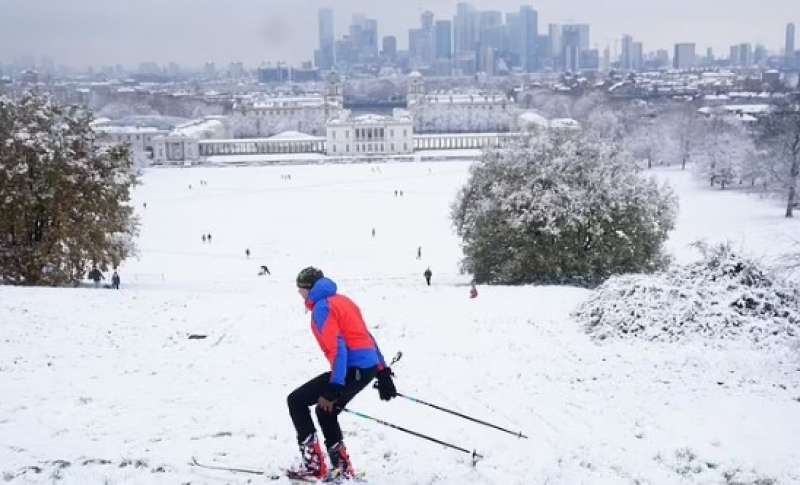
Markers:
(386, 387)
(333, 392)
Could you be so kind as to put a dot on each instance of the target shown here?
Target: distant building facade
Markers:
(370, 134)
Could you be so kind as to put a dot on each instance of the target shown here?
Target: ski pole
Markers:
(475, 455)
(518, 434)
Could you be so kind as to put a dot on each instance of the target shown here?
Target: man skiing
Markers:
(427, 274)
(355, 359)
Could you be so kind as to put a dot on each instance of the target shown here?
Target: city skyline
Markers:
(94, 32)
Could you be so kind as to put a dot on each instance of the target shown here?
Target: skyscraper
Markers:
(529, 26)
(444, 42)
(626, 58)
(464, 28)
(684, 56)
(790, 36)
(326, 39)
(571, 48)
(554, 31)
(389, 47)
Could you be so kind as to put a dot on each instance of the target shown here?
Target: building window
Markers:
(391, 133)
(392, 147)
(347, 134)
(405, 147)
(347, 148)
(405, 133)
(334, 148)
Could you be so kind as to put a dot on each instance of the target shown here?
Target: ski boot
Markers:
(312, 461)
(341, 467)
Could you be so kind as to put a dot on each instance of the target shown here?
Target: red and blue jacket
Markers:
(341, 332)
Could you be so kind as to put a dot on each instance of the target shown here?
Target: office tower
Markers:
(326, 39)
(444, 42)
(684, 57)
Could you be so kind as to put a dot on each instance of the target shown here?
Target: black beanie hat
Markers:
(308, 276)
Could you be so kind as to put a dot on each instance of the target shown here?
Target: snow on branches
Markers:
(561, 208)
(63, 199)
(723, 296)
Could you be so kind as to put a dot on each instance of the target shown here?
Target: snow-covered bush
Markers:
(561, 208)
(722, 296)
(63, 199)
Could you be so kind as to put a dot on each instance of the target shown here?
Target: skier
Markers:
(115, 280)
(247, 253)
(209, 237)
(95, 275)
(203, 237)
(473, 292)
(264, 271)
(355, 359)
(419, 252)
(428, 275)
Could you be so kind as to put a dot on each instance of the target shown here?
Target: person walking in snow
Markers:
(115, 280)
(419, 252)
(373, 232)
(95, 275)
(473, 292)
(247, 253)
(355, 360)
(203, 237)
(428, 273)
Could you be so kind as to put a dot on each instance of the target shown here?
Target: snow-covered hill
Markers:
(100, 386)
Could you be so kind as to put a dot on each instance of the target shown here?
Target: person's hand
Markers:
(329, 397)
(325, 404)
(386, 389)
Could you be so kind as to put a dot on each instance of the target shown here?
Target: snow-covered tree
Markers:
(561, 207)
(780, 138)
(726, 153)
(63, 198)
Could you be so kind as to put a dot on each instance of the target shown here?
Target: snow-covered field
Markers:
(100, 386)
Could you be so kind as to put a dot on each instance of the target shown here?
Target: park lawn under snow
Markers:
(100, 386)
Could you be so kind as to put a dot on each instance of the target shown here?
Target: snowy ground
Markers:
(108, 381)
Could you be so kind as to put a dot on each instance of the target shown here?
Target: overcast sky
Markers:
(190, 32)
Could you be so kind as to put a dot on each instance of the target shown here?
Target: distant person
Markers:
(473, 292)
(401, 193)
(395, 193)
(144, 204)
(419, 252)
(209, 237)
(264, 271)
(373, 232)
(203, 237)
(115, 280)
(95, 275)
(190, 186)
(428, 273)
(247, 253)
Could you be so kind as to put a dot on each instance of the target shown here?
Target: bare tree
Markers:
(780, 138)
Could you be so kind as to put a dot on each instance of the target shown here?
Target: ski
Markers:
(250, 471)
(288, 473)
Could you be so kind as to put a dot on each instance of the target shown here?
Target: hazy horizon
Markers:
(191, 32)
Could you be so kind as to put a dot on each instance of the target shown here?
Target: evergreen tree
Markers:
(561, 208)
(63, 198)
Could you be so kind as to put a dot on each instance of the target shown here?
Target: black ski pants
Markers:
(307, 395)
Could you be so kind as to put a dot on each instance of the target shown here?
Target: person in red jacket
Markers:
(355, 360)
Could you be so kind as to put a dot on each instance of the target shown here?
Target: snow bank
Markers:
(722, 296)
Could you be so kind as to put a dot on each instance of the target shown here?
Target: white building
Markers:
(370, 134)
(458, 112)
(264, 115)
(183, 143)
(141, 140)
